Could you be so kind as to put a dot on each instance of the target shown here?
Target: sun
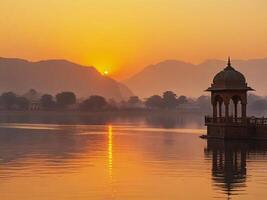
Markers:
(106, 72)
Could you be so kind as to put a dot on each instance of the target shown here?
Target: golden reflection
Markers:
(110, 162)
(110, 153)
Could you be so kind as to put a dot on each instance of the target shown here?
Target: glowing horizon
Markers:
(122, 37)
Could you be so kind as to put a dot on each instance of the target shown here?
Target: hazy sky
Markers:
(122, 36)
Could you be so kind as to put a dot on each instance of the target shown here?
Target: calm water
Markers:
(126, 162)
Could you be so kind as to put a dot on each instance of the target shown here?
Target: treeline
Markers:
(32, 100)
(257, 105)
(63, 100)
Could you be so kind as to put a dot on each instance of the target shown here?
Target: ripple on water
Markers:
(126, 162)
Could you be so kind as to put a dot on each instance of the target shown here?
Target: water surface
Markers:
(126, 162)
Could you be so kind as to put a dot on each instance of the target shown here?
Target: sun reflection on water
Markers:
(110, 161)
(110, 152)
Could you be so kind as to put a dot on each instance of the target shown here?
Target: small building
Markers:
(229, 101)
(35, 105)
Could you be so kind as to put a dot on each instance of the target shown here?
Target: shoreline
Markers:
(95, 113)
(156, 118)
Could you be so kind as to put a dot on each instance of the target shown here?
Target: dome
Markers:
(229, 79)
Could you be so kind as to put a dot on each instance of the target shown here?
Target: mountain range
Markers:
(54, 76)
(191, 80)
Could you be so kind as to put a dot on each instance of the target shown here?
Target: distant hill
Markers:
(53, 76)
(191, 80)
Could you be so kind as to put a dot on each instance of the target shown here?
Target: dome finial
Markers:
(229, 65)
(229, 62)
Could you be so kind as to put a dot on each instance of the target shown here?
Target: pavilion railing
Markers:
(253, 121)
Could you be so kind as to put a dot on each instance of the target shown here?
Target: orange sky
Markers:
(123, 36)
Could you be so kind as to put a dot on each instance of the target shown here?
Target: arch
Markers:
(238, 108)
(218, 98)
(236, 98)
(217, 106)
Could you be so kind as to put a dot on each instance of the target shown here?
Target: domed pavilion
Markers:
(229, 85)
(229, 102)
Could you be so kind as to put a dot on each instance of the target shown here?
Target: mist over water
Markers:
(149, 157)
(159, 119)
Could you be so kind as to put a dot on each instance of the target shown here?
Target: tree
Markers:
(169, 100)
(258, 105)
(182, 100)
(204, 103)
(134, 102)
(65, 99)
(8, 99)
(47, 101)
(154, 101)
(94, 103)
(112, 104)
(22, 103)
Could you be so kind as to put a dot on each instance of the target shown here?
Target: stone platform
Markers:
(236, 128)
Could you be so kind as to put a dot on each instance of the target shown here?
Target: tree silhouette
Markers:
(169, 100)
(154, 101)
(22, 103)
(204, 102)
(47, 101)
(134, 102)
(182, 100)
(259, 105)
(8, 99)
(65, 99)
(94, 103)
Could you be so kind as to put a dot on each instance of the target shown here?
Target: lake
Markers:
(127, 160)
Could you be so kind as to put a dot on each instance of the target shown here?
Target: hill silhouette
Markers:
(191, 80)
(53, 76)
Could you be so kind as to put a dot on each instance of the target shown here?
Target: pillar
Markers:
(220, 109)
(235, 104)
(215, 110)
(226, 111)
(244, 110)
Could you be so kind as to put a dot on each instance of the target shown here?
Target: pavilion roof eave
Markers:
(229, 89)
